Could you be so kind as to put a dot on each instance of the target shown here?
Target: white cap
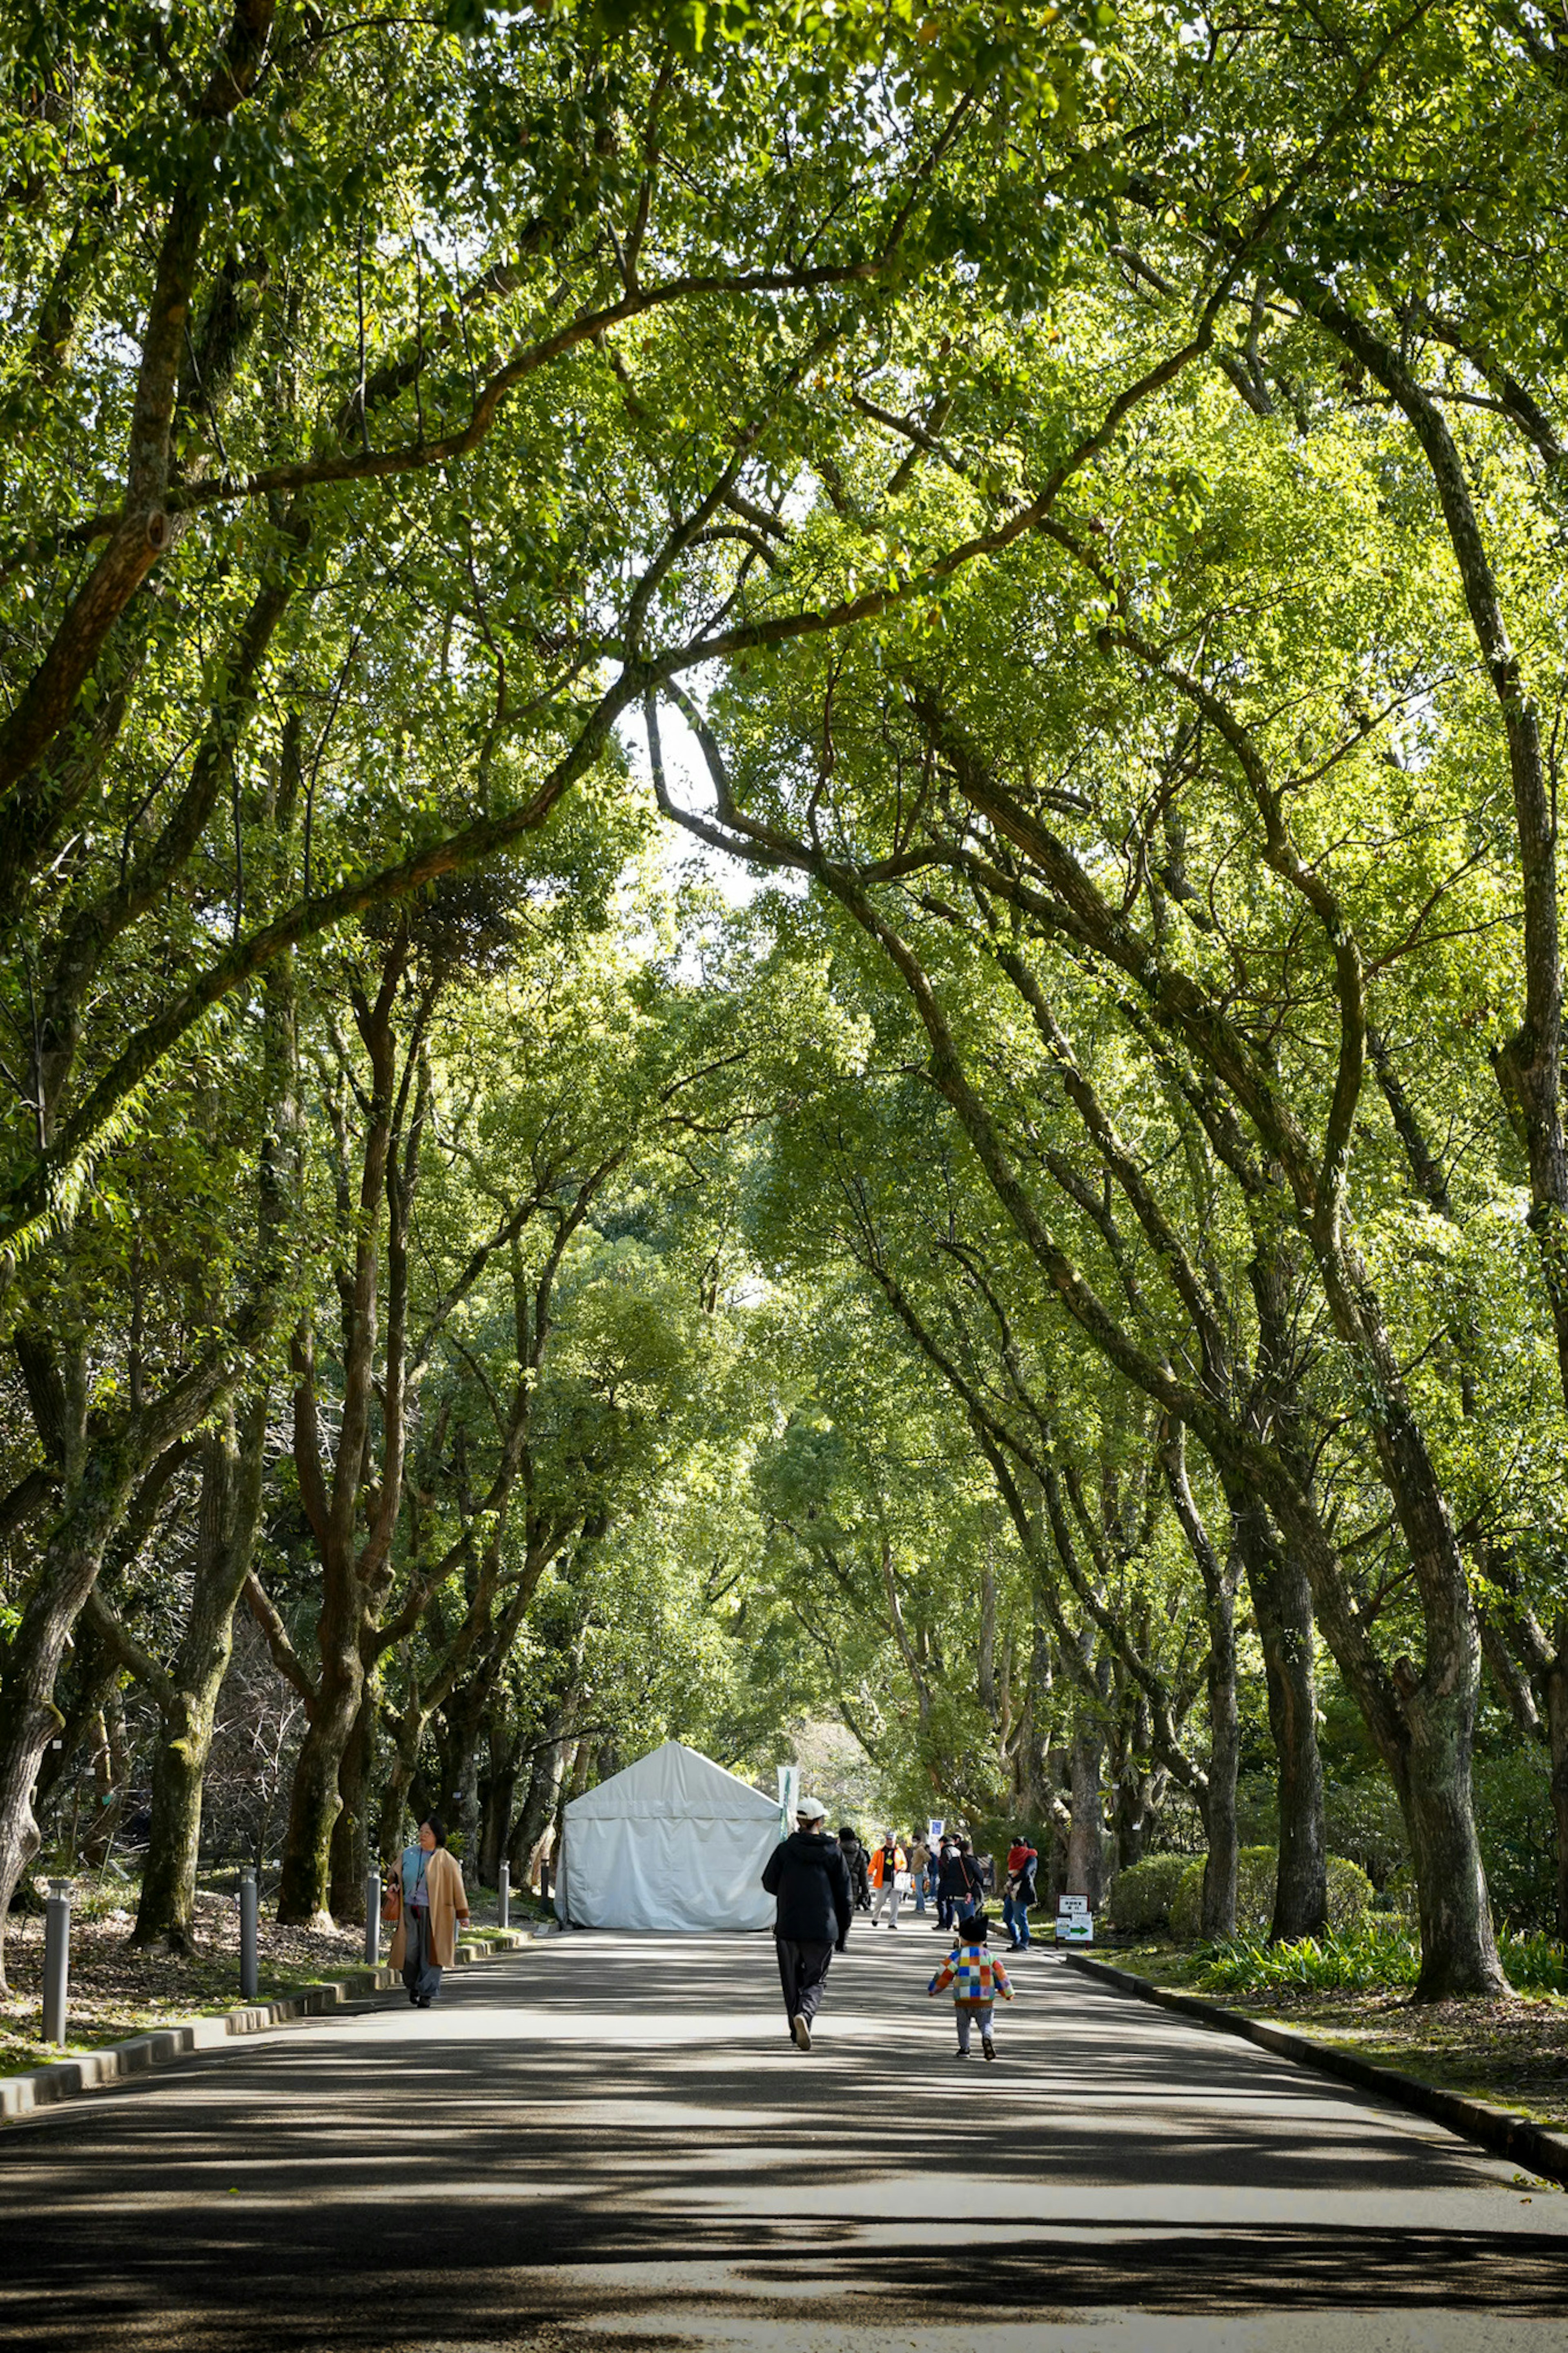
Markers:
(811, 1809)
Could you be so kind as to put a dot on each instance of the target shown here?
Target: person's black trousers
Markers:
(803, 1973)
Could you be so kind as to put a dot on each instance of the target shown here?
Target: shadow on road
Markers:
(608, 2131)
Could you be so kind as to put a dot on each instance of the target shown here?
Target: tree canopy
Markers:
(1058, 1268)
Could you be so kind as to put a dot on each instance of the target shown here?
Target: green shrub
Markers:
(1258, 1868)
(1350, 1893)
(1141, 1895)
(1375, 1951)
(1535, 1963)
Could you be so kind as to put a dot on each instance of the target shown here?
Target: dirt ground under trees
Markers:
(116, 1991)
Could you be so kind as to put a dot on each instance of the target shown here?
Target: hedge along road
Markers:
(609, 2141)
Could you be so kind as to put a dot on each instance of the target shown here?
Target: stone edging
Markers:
(88, 2071)
(1498, 2129)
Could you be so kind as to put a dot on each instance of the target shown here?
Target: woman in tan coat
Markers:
(428, 1891)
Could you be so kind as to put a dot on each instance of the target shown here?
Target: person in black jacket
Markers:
(809, 1882)
(958, 1887)
(858, 1866)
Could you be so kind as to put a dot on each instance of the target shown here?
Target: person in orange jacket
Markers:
(889, 1864)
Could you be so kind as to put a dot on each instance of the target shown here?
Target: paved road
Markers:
(609, 2143)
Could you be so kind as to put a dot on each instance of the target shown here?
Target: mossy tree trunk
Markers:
(187, 1691)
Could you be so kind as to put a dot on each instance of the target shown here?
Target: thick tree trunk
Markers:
(392, 1814)
(355, 1557)
(1218, 1913)
(314, 1800)
(498, 1797)
(109, 1780)
(166, 1912)
(1556, 1681)
(234, 1462)
(94, 1673)
(1423, 1726)
(350, 1851)
(1086, 1840)
(1029, 1776)
(531, 1835)
(233, 1467)
(576, 1760)
(28, 1717)
(469, 1805)
(1282, 1607)
(1458, 1948)
(1132, 1805)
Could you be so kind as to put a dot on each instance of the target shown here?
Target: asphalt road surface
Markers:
(608, 2142)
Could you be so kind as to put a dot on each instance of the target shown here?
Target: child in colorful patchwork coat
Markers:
(976, 1979)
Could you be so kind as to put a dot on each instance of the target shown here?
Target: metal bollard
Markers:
(503, 1898)
(372, 1917)
(544, 1880)
(249, 1914)
(56, 1959)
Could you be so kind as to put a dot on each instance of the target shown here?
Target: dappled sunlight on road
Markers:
(612, 2141)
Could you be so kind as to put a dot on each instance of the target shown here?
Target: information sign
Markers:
(1075, 1921)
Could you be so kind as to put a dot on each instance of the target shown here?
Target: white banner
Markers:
(789, 1794)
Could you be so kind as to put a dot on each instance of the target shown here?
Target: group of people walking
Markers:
(944, 1872)
(816, 1883)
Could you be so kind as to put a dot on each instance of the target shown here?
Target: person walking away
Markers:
(428, 1889)
(888, 1865)
(1023, 1863)
(977, 1979)
(973, 1896)
(959, 1883)
(856, 1860)
(945, 1856)
(919, 1863)
(809, 1880)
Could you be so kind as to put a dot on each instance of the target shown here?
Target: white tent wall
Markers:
(674, 1843)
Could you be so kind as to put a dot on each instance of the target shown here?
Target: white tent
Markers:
(672, 1842)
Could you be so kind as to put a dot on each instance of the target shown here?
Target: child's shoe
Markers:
(988, 2046)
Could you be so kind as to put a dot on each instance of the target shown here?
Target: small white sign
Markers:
(1072, 1903)
(1075, 1927)
(934, 1828)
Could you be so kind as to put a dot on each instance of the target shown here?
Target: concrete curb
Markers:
(1529, 2146)
(90, 2070)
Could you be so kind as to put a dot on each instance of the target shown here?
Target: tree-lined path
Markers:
(609, 2141)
